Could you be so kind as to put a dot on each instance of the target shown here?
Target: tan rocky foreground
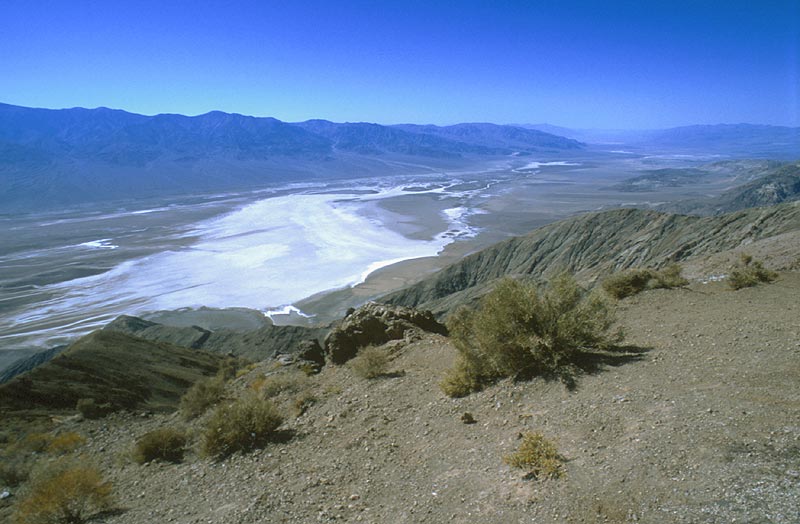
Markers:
(697, 421)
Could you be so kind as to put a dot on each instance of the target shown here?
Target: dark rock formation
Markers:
(374, 324)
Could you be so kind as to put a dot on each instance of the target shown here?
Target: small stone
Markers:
(467, 418)
(354, 497)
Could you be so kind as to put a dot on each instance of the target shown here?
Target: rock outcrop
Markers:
(375, 324)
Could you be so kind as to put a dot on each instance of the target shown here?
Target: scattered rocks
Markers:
(375, 324)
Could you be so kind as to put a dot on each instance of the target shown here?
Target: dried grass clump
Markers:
(64, 492)
(167, 444)
(90, 409)
(290, 382)
(370, 362)
(202, 395)
(634, 281)
(750, 273)
(521, 331)
(245, 424)
(538, 456)
(65, 443)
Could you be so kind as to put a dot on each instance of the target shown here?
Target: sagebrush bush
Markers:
(538, 456)
(245, 424)
(520, 331)
(90, 409)
(750, 273)
(15, 468)
(669, 277)
(633, 281)
(63, 492)
(167, 444)
(302, 401)
(287, 382)
(463, 379)
(370, 362)
(65, 443)
(202, 395)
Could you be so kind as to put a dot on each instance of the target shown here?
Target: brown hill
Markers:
(110, 367)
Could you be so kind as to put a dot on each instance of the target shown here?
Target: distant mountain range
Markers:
(741, 140)
(69, 156)
(58, 157)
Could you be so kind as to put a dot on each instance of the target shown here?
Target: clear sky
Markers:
(601, 64)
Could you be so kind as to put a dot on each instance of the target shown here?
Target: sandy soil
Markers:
(698, 421)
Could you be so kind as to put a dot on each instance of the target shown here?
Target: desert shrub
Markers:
(34, 443)
(288, 382)
(90, 409)
(167, 444)
(247, 423)
(63, 492)
(536, 455)
(370, 362)
(750, 273)
(462, 380)
(65, 443)
(627, 283)
(521, 331)
(669, 277)
(633, 281)
(302, 402)
(15, 468)
(202, 395)
(228, 369)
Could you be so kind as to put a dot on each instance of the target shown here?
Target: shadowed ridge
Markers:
(110, 367)
(595, 245)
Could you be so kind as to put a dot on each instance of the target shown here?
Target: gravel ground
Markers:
(698, 421)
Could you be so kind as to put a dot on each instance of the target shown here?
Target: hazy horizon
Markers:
(577, 64)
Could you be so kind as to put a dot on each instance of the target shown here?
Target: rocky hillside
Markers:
(694, 421)
(595, 245)
(778, 185)
(113, 368)
(258, 344)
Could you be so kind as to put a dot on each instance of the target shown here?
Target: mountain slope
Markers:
(778, 185)
(595, 245)
(110, 367)
(506, 138)
(51, 158)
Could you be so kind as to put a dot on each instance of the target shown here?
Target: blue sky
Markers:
(601, 64)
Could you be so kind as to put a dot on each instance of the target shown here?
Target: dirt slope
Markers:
(700, 424)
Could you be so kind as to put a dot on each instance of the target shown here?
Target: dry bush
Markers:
(520, 331)
(228, 369)
(65, 443)
(668, 278)
(462, 380)
(370, 362)
(63, 492)
(202, 395)
(538, 456)
(15, 468)
(90, 409)
(289, 382)
(633, 281)
(302, 402)
(247, 423)
(167, 444)
(750, 273)
(34, 443)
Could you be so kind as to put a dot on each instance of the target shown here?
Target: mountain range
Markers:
(751, 140)
(55, 158)
(59, 157)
